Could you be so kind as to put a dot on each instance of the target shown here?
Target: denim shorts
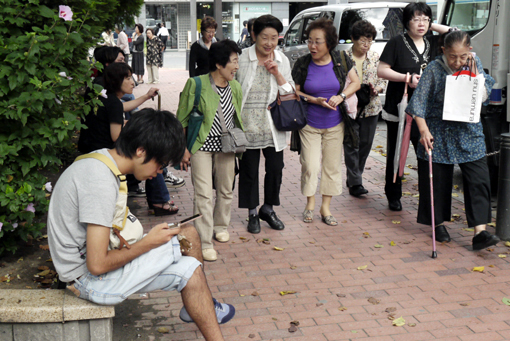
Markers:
(162, 268)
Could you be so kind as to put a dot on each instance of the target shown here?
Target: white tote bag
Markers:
(463, 97)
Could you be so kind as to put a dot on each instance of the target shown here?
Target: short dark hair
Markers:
(114, 74)
(265, 21)
(250, 25)
(159, 133)
(208, 22)
(448, 39)
(219, 53)
(140, 28)
(106, 55)
(152, 31)
(363, 28)
(329, 30)
(413, 8)
(245, 22)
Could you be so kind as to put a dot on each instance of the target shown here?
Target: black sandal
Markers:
(162, 211)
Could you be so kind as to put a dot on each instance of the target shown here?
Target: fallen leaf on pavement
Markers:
(492, 224)
(378, 246)
(399, 322)
(406, 173)
(411, 324)
(42, 268)
(455, 195)
(251, 336)
(392, 243)
(416, 195)
(279, 248)
(242, 295)
(44, 247)
(293, 267)
(319, 304)
(406, 193)
(502, 256)
(295, 322)
(379, 146)
(491, 266)
(242, 238)
(490, 249)
(340, 295)
(366, 234)
(456, 186)
(469, 229)
(293, 328)
(390, 309)
(507, 244)
(163, 330)
(312, 242)
(395, 221)
(254, 293)
(288, 292)
(342, 308)
(373, 300)
(21, 259)
(391, 317)
(456, 216)
(506, 301)
(464, 304)
(363, 267)
(275, 319)
(478, 269)
(43, 273)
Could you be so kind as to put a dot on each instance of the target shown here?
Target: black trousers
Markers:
(477, 192)
(394, 190)
(249, 177)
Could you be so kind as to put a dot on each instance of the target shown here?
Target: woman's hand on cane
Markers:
(427, 140)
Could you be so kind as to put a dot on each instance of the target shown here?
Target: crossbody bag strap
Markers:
(110, 164)
(220, 110)
(198, 90)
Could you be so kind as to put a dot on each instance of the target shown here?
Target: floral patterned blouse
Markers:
(369, 68)
(454, 142)
(154, 47)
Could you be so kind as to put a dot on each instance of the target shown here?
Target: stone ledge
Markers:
(44, 306)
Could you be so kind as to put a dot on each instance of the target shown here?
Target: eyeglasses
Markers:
(316, 43)
(211, 32)
(365, 42)
(420, 20)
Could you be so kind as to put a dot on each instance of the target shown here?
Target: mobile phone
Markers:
(187, 220)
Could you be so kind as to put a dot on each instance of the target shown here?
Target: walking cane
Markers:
(434, 253)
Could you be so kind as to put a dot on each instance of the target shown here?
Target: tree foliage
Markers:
(43, 72)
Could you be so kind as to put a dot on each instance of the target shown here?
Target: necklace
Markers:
(425, 54)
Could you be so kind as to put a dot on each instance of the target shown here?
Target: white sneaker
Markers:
(222, 237)
(172, 181)
(209, 255)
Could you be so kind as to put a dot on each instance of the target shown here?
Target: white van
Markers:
(385, 16)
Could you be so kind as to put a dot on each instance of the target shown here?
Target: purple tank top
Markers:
(321, 81)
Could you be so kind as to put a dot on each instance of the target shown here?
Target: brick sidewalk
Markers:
(438, 298)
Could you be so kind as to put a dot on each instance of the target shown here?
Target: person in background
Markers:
(199, 53)
(154, 49)
(366, 61)
(123, 42)
(452, 143)
(244, 33)
(249, 41)
(263, 71)
(163, 34)
(320, 77)
(410, 53)
(108, 38)
(208, 163)
(137, 63)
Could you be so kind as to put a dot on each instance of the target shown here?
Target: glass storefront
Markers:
(157, 14)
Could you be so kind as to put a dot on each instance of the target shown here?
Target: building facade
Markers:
(176, 16)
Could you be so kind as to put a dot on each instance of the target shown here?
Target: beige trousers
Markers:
(153, 73)
(329, 141)
(206, 166)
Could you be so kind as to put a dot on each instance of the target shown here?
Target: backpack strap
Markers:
(198, 90)
(110, 164)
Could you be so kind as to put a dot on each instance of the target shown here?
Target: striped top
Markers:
(213, 141)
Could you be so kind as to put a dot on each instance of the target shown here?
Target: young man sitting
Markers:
(81, 214)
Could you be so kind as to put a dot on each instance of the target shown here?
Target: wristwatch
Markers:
(343, 95)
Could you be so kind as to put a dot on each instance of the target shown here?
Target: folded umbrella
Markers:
(401, 124)
(406, 138)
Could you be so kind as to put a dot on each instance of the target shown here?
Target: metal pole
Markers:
(219, 18)
(503, 215)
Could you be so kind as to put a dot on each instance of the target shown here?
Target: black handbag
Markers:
(363, 95)
(288, 112)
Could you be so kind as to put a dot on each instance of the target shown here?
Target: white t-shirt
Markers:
(85, 193)
(163, 31)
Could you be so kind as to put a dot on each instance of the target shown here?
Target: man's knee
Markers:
(190, 232)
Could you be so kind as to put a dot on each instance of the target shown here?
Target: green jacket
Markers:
(208, 105)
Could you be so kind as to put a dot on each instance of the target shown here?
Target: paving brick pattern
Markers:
(438, 298)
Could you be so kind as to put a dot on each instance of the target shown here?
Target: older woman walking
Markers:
(410, 53)
(366, 61)
(154, 49)
(263, 71)
(199, 52)
(320, 77)
(208, 162)
(452, 143)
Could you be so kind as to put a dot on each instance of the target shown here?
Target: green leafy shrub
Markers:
(43, 74)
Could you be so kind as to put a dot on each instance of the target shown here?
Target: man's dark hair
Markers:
(363, 28)
(250, 25)
(219, 53)
(159, 133)
(140, 28)
(416, 8)
(329, 30)
(265, 21)
(106, 55)
(208, 22)
(114, 74)
(245, 22)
